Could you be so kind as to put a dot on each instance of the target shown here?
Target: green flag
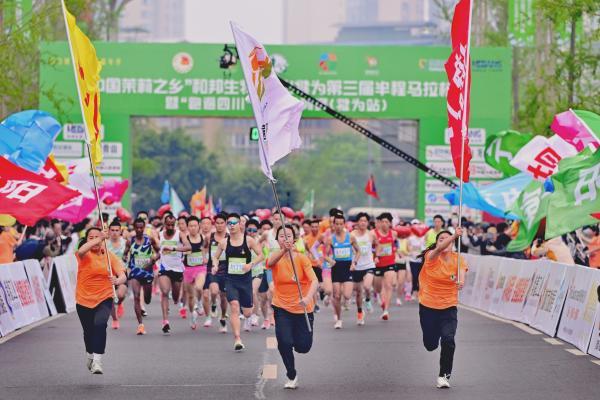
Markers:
(576, 194)
(501, 147)
(308, 208)
(531, 208)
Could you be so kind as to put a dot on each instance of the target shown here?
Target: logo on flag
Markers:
(261, 69)
(183, 63)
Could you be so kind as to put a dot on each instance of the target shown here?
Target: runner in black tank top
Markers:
(216, 281)
(194, 274)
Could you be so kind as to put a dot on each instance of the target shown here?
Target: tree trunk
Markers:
(515, 85)
(571, 74)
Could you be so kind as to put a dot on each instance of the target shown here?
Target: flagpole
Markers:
(87, 142)
(278, 205)
(464, 135)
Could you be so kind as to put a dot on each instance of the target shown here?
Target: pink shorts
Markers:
(190, 273)
(327, 272)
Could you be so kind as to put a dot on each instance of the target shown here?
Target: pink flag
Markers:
(575, 127)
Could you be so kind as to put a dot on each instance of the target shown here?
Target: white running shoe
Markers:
(369, 306)
(223, 327)
(194, 320)
(238, 346)
(443, 382)
(89, 360)
(254, 320)
(385, 316)
(338, 324)
(96, 367)
(398, 301)
(291, 383)
(247, 325)
(207, 322)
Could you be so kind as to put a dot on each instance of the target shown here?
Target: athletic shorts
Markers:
(264, 283)
(340, 272)
(218, 279)
(239, 290)
(318, 273)
(190, 273)
(326, 272)
(259, 276)
(174, 276)
(359, 276)
(400, 266)
(143, 276)
(380, 271)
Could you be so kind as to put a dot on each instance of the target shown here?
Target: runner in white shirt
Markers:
(362, 275)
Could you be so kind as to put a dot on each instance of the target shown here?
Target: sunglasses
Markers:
(233, 222)
(251, 230)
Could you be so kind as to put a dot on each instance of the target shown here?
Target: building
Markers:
(153, 21)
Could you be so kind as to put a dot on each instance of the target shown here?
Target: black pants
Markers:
(415, 269)
(94, 321)
(440, 326)
(292, 334)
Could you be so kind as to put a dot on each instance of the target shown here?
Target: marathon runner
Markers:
(116, 245)
(216, 280)
(194, 274)
(363, 273)
(257, 276)
(140, 255)
(311, 236)
(209, 305)
(238, 278)
(182, 228)
(265, 290)
(385, 261)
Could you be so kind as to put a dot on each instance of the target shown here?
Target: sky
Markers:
(207, 21)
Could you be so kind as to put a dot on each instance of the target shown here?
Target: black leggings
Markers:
(415, 269)
(292, 334)
(440, 326)
(94, 321)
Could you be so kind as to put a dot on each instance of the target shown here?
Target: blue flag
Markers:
(494, 198)
(166, 193)
(176, 203)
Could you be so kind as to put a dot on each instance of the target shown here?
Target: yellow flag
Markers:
(87, 70)
(198, 202)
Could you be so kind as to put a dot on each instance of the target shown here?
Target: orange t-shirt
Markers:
(309, 241)
(286, 289)
(93, 285)
(594, 245)
(7, 246)
(437, 281)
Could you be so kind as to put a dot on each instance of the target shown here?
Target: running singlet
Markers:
(195, 257)
(170, 260)
(117, 250)
(139, 255)
(365, 261)
(213, 245)
(237, 258)
(342, 251)
(387, 249)
(259, 269)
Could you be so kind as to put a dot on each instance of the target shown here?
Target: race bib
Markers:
(195, 259)
(385, 249)
(169, 243)
(342, 252)
(236, 266)
(257, 269)
(365, 248)
(140, 261)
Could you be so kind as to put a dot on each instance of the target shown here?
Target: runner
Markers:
(170, 272)
(290, 328)
(140, 254)
(402, 255)
(257, 276)
(194, 274)
(93, 294)
(265, 290)
(216, 280)
(182, 227)
(416, 245)
(439, 299)
(345, 254)
(316, 258)
(116, 245)
(270, 244)
(238, 281)
(209, 306)
(363, 273)
(385, 262)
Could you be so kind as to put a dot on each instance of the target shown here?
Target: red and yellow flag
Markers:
(87, 71)
(198, 202)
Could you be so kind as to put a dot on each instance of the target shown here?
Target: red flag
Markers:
(458, 69)
(28, 196)
(370, 188)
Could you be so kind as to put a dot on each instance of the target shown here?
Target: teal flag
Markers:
(576, 194)
(531, 207)
(501, 147)
(176, 204)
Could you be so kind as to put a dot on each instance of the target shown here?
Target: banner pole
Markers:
(277, 204)
(87, 142)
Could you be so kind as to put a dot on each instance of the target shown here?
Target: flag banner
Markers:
(28, 196)
(198, 202)
(501, 148)
(458, 69)
(165, 196)
(175, 203)
(27, 138)
(576, 194)
(531, 207)
(87, 72)
(78, 208)
(495, 199)
(112, 190)
(276, 111)
(211, 211)
(540, 157)
(370, 188)
(308, 208)
(578, 127)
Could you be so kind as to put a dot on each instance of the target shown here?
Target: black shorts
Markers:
(400, 267)
(218, 279)
(239, 290)
(340, 272)
(174, 276)
(380, 271)
(264, 284)
(318, 273)
(359, 276)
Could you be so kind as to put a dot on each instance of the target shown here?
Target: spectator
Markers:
(32, 247)
(438, 225)
(593, 248)
(503, 239)
(51, 245)
(8, 242)
(553, 249)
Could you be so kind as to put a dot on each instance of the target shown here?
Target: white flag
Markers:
(540, 156)
(276, 111)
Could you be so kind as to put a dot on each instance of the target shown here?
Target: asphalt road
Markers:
(382, 360)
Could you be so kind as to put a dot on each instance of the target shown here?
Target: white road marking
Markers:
(553, 341)
(525, 328)
(597, 362)
(576, 352)
(271, 342)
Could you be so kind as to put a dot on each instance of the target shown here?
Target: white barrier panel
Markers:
(36, 280)
(489, 283)
(514, 309)
(508, 274)
(7, 318)
(577, 320)
(594, 348)
(466, 294)
(14, 302)
(25, 293)
(482, 268)
(63, 267)
(534, 293)
(553, 298)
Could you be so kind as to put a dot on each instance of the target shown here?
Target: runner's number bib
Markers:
(195, 259)
(365, 248)
(342, 252)
(236, 266)
(385, 249)
(140, 261)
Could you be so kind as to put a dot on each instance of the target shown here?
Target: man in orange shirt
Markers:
(7, 245)
(291, 328)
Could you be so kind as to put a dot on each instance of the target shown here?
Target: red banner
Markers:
(28, 196)
(459, 77)
(370, 188)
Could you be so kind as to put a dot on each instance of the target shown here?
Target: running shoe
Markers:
(144, 313)
(326, 300)
(238, 346)
(183, 312)
(254, 320)
(443, 382)
(385, 316)
(116, 324)
(207, 322)
(213, 310)
(266, 324)
(141, 330)
(89, 359)
(223, 328)
(247, 325)
(194, 321)
(398, 301)
(338, 324)
(96, 367)
(346, 306)
(369, 306)
(360, 319)
(120, 310)
(291, 383)
(317, 308)
(408, 297)
(166, 327)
